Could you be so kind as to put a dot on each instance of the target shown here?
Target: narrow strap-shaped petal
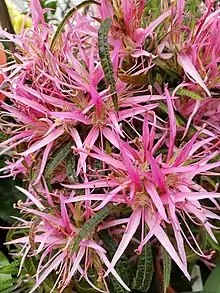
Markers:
(127, 236)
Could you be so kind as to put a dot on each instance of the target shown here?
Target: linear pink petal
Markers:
(127, 236)
(182, 196)
(84, 274)
(157, 174)
(93, 184)
(48, 270)
(32, 198)
(180, 10)
(164, 240)
(190, 70)
(64, 214)
(113, 223)
(92, 244)
(197, 145)
(76, 263)
(184, 152)
(152, 191)
(85, 197)
(23, 134)
(146, 135)
(113, 271)
(109, 135)
(48, 139)
(88, 143)
(45, 216)
(132, 171)
(109, 160)
(151, 27)
(34, 105)
(74, 115)
(109, 197)
(44, 161)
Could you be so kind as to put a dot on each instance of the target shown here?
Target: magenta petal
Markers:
(157, 174)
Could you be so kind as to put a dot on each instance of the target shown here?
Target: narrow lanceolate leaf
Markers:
(57, 159)
(69, 14)
(166, 270)
(71, 168)
(145, 271)
(121, 266)
(106, 60)
(190, 94)
(88, 227)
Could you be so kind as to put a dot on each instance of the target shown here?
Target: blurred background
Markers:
(61, 5)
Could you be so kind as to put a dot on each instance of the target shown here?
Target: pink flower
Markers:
(52, 236)
(159, 192)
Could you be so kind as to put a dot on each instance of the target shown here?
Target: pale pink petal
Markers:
(84, 274)
(151, 27)
(164, 240)
(93, 184)
(113, 271)
(113, 223)
(92, 244)
(32, 198)
(127, 236)
(76, 116)
(182, 196)
(180, 10)
(76, 263)
(44, 161)
(48, 270)
(64, 213)
(46, 140)
(152, 191)
(110, 136)
(88, 144)
(34, 105)
(191, 71)
(81, 198)
(109, 197)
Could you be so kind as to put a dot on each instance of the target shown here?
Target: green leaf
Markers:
(105, 58)
(9, 195)
(145, 270)
(57, 159)
(30, 266)
(11, 268)
(84, 287)
(121, 266)
(190, 94)
(5, 279)
(212, 284)
(91, 224)
(69, 14)
(166, 269)
(71, 168)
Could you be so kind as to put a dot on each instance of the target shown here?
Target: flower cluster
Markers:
(113, 123)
